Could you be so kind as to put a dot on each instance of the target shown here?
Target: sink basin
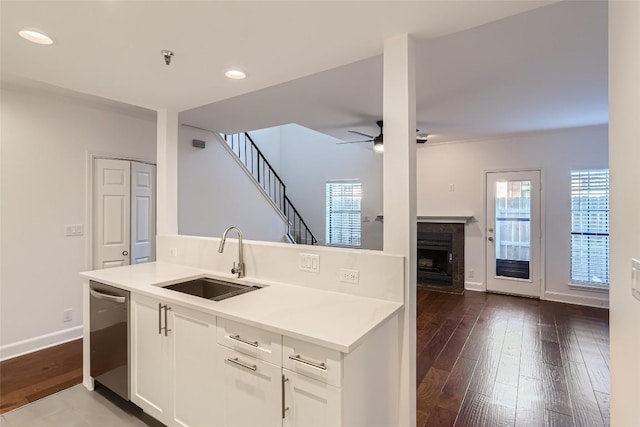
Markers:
(212, 289)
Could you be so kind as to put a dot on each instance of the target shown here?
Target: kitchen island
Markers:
(280, 355)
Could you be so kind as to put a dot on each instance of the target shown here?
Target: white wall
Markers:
(306, 160)
(624, 151)
(215, 192)
(463, 164)
(46, 139)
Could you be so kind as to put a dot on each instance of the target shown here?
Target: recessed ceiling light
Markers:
(35, 36)
(235, 74)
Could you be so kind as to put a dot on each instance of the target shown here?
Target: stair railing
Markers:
(266, 177)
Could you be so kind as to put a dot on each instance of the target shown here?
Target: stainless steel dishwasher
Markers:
(109, 339)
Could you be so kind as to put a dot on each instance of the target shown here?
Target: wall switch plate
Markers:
(310, 263)
(67, 315)
(73, 230)
(349, 276)
(452, 188)
(173, 252)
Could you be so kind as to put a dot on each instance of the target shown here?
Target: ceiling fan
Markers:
(378, 140)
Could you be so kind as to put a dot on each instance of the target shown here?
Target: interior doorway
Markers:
(513, 232)
(124, 212)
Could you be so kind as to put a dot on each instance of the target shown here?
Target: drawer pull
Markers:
(299, 359)
(243, 341)
(239, 363)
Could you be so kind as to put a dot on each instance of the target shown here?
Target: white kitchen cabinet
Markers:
(310, 403)
(173, 362)
(252, 390)
(194, 373)
(150, 358)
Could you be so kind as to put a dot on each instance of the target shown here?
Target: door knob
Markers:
(125, 253)
(490, 230)
(490, 239)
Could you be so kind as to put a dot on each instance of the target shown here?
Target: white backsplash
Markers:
(380, 275)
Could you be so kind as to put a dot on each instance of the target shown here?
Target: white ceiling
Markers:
(484, 67)
(543, 69)
(111, 49)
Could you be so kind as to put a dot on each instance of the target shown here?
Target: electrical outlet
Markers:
(173, 252)
(471, 273)
(349, 276)
(310, 263)
(452, 188)
(67, 315)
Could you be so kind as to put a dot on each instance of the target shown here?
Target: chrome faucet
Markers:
(240, 269)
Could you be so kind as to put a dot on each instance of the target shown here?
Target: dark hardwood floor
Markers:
(33, 376)
(482, 360)
(498, 360)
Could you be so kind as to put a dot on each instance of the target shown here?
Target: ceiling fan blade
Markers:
(354, 142)
(361, 134)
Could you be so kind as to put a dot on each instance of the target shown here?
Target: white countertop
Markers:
(330, 319)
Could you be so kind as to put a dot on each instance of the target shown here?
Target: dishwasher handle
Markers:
(107, 297)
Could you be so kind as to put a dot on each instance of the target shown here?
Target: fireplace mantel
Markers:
(446, 219)
(441, 219)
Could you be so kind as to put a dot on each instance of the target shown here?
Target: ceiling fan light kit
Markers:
(377, 146)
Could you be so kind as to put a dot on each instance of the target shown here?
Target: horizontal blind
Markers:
(590, 227)
(343, 213)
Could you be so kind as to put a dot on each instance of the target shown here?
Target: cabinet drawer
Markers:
(252, 393)
(261, 344)
(312, 360)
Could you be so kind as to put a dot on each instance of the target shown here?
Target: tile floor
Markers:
(75, 407)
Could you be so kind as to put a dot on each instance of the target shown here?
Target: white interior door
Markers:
(143, 221)
(112, 213)
(513, 232)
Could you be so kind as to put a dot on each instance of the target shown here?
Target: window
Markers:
(590, 228)
(343, 213)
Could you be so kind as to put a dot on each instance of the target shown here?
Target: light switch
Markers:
(73, 230)
(309, 263)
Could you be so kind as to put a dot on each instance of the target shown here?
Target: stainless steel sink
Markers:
(212, 289)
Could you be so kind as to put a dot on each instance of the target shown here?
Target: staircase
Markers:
(267, 179)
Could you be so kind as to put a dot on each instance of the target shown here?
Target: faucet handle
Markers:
(233, 270)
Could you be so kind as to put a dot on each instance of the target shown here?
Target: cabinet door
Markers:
(194, 372)
(252, 391)
(150, 353)
(310, 403)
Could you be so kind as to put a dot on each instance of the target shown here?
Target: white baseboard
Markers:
(474, 286)
(30, 345)
(600, 302)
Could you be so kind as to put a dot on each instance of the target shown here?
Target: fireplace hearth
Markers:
(440, 249)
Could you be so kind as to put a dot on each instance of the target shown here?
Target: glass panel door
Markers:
(513, 232)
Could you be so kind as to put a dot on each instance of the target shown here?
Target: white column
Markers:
(624, 151)
(399, 184)
(167, 172)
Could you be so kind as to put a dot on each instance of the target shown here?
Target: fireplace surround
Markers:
(440, 249)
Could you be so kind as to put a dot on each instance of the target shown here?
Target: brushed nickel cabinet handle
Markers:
(159, 319)
(239, 363)
(166, 324)
(284, 408)
(297, 358)
(242, 340)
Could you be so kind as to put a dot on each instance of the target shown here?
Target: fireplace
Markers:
(440, 248)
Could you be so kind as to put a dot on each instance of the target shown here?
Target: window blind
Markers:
(343, 213)
(590, 227)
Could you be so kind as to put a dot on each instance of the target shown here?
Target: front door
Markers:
(513, 233)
